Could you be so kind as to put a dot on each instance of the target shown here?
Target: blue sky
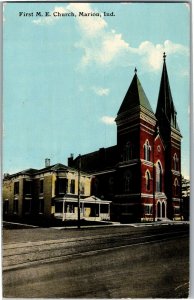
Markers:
(64, 78)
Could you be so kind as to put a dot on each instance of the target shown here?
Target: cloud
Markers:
(89, 26)
(103, 50)
(100, 91)
(111, 48)
(104, 46)
(108, 120)
(152, 53)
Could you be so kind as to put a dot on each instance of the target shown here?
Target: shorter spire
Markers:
(135, 70)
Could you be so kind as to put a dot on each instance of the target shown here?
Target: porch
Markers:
(91, 208)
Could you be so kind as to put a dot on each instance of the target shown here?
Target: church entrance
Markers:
(161, 210)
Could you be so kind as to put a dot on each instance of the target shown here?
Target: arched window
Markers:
(175, 162)
(128, 151)
(159, 209)
(158, 177)
(147, 177)
(147, 150)
(176, 187)
(127, 181)
(111, 184)
(163, 210)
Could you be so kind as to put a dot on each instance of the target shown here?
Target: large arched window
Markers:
(176, 187)
(147, 150)
(127, 181)
(147, 177)
(175, 162)
(158, 177)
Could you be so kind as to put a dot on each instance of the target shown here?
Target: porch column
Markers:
(99, 210)
(165, 204)
(83, 209)
(109, 210)
(63, 210)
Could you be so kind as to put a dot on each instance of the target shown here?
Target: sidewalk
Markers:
(95, 225)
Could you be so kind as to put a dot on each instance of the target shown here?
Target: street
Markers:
(109, 262)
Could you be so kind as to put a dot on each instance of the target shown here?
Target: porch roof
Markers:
(90, 199)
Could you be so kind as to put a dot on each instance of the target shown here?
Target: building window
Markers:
(104, 209)
(41, 206)
(147, 176)
(82, 188)
(27, 187)
(147, 150)
(41, 186)
(58, 207)
(175, 162)
(6, 206)
(158, 177)
(70, 208)
(127, 181)
(148, 209)
(62, 185)
(176, 210)
(16, 188)
(72, 186)
(27, 206)
(95, 186)
(128, 151)
(176, 187)
(111, 185)
(15, 206)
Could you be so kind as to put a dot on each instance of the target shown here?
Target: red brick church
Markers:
(141, 174)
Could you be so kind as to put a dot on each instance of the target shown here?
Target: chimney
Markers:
(47, 162)
(70, 160)
(6, 175)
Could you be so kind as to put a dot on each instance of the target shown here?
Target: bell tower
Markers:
(169, 130)
(136, 124)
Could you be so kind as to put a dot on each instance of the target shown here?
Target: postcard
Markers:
(96, 155)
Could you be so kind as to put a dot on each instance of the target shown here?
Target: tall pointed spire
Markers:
(135, 96)
(165, 108)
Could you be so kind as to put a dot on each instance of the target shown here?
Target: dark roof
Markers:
(103, 159)
(54, 167)
(31, 172)
(134, 97)
(165, 107)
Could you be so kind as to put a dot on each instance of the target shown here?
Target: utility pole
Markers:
(78, 208)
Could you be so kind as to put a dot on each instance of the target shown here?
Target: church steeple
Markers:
(166, 111)
(135, 97)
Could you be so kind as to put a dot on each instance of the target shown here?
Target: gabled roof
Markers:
(165, 107)
(54, 167)
(158, 136)
(28, 172)
(90, 199)
(134, 97)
